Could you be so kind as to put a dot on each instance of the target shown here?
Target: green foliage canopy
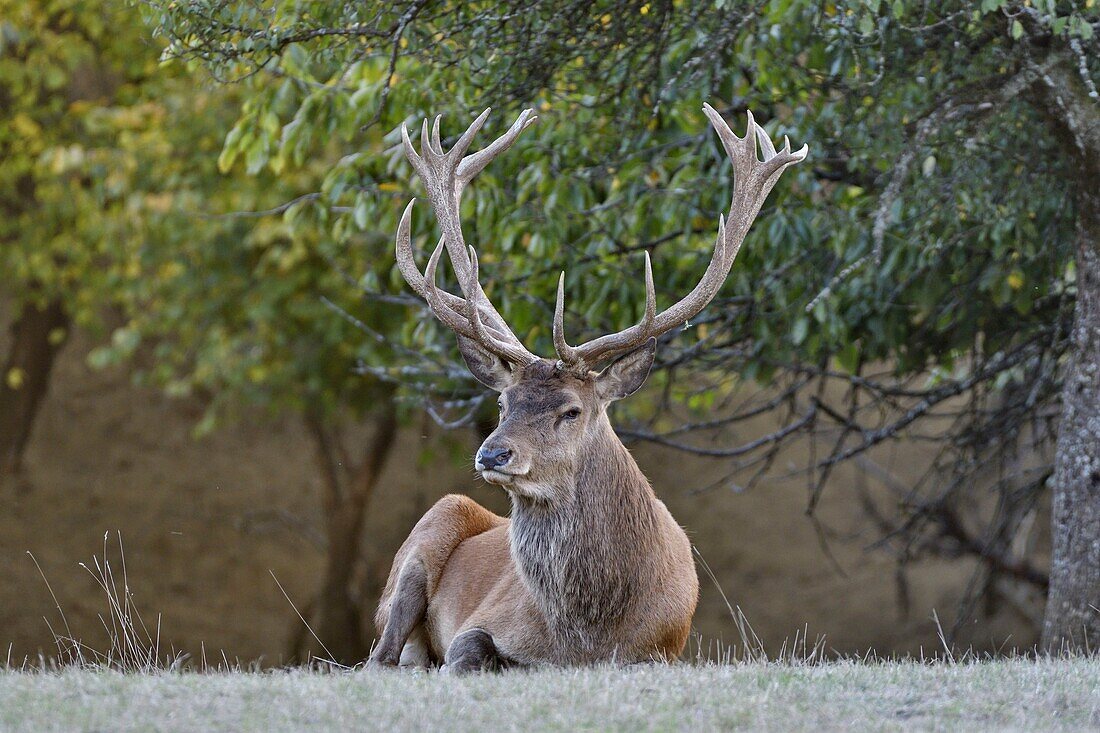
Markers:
(622, 160)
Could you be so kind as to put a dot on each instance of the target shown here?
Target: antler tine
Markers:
(437, 146)
(470, 326)
(406, 260)
(434, 296)
(464, 140)
(406, 263)
(446, 306)
(650, 291)
(511, 350)
(473, 164)
(410, 153)
(753, 179)
(566, 353)
(425, 141)
(740, 150)
(764, 141)
(580, 358)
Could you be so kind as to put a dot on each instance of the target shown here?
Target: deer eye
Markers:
(571, 414)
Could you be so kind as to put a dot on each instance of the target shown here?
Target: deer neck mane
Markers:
(585, 558)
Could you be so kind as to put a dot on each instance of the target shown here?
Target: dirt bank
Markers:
(206, 523)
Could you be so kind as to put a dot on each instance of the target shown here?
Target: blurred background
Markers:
(210, 365)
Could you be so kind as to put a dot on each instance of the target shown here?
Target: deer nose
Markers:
(490, 458)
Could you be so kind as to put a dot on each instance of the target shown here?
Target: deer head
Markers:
(553, 419)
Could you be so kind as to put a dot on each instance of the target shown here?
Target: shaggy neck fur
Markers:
(585, 558)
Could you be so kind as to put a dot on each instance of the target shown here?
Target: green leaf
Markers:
(799, 330)
(362, 213)
(848, 357)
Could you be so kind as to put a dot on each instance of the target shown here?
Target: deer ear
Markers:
(625, 376)
(487, 367)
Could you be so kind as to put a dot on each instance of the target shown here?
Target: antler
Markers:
(445, 175)
(753, 180)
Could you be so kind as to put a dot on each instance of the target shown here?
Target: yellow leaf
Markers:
(170, 270)
(1016, 280)
(25, 126)
(56, 336)
(644, 10)
(15, 378)
(160, 203)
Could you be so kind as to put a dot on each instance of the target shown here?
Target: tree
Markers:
(1065, 89)
(116, 213)
(58, 83)
(228, 302)
(88, 168)
(947, 230)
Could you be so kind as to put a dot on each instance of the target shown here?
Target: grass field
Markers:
(998, 695)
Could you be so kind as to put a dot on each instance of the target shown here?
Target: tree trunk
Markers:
(338, 612)
(37, 337)
(1072, 619)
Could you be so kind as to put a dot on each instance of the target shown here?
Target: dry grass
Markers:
(132, 647)
(132, 685)
(1016, 694)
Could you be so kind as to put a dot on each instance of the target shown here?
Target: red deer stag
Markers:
(591, 566)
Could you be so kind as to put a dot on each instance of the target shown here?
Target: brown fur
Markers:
(591, 566)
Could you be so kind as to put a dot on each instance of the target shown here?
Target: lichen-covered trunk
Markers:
(37, 335)
(1072, 620)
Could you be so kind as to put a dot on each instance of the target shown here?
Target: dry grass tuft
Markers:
(132, 646)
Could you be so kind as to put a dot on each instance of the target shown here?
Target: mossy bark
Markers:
(1072, 618)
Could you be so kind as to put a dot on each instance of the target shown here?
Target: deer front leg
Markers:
(416, 571)
(407, 608)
